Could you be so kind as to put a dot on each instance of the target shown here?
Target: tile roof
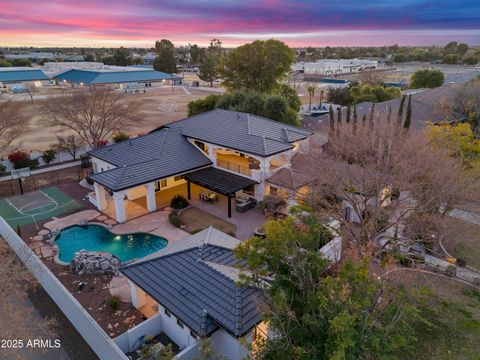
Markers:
(19, 74)
(101, 76)
(196, 282)
(148, 158)
(239, 131)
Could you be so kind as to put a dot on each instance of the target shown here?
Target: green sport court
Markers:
(36, 206)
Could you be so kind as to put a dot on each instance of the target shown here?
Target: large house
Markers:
(226, 152)
(192, 288)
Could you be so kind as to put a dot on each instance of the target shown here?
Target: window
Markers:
(160, 184)
(168, 313)
(178, 178)
(192, 334)
(273, 190)
(180, 323)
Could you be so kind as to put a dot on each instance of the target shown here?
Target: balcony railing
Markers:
(234, 167)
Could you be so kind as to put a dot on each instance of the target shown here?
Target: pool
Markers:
(98, 238)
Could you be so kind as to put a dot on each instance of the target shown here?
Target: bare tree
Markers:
(71, 144)
(31, 90)
(12, 123)
(372, 77)
(94, 114)
(375, 178)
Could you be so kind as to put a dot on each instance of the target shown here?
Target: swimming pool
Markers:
(98, 238)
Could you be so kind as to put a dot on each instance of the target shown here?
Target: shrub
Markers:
(21, 159)
(178, 202)
(271, 203)
(89, 180)
(461, 262)
(196, 230)
(114, 303)
(2, 168)
(48, 156)
(120, 136)
(174, 219)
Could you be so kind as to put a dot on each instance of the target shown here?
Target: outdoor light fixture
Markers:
(118, 237)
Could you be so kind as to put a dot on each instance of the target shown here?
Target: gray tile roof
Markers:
(147, 158)
(196, 282)
(239, 131)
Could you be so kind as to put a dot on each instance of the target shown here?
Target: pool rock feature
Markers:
(95, 262)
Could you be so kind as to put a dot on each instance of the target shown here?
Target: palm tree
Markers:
(311, 91)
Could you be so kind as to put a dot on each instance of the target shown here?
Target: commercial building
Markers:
(18, 79)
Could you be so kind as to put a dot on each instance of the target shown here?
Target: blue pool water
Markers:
(98, 238)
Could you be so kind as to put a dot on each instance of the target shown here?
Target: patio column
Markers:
(120, 206)
(137, 294)
(100, 197)
(151, 199)
(229, 206)
(189, 191)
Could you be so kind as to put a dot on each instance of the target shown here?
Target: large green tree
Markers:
(319, 314)
(209, 62)
(427, 78)
(165, 60)
(258, 66)
(272, 106)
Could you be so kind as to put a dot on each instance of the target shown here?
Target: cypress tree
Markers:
(400, 111)
(339, 116)
(364, 119)
(389, 116)
(348, 115)
(355, 119)
(331, 116)
(372, 115)
(408, 116)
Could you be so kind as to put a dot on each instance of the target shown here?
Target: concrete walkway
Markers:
(465, 216)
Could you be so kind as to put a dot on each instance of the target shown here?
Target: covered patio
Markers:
(219, 181)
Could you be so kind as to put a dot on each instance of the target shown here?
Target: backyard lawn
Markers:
(196, 219)
(453, 315)
(462, 240)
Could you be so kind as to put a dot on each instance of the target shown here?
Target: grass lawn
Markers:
(462, 240)
(453, 311)
(196, 219)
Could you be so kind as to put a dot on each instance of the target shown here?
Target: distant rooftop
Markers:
(21, 73)
(113, 74)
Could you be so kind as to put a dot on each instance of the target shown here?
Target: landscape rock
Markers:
(89, 262)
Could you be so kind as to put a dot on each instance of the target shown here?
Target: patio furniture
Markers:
(244, 203)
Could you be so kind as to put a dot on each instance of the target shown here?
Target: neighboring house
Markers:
(191, 286)
(227, 152)
(18, 79)
(426, 107)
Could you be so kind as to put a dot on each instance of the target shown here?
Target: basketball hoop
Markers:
(21, 174)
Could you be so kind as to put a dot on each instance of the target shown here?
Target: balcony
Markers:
(235, 167)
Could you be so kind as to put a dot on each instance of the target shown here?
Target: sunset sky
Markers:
(299, 23)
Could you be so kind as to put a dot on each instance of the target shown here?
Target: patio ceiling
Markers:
(220, 181)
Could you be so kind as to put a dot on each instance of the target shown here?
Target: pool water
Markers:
(98, 238)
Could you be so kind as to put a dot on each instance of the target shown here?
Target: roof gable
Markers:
(244, 132)
(194, 284)
(147, 158)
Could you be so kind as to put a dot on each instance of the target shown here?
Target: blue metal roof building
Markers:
(21, 74)
(99, 77)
